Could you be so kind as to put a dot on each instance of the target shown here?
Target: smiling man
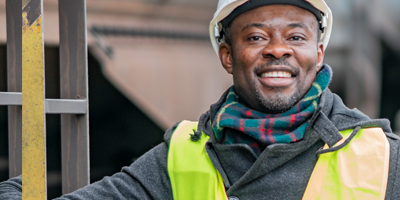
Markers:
(277, 133)
(274, 57)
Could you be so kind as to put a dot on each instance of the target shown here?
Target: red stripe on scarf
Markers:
(262, 129)
(293, 137)
(271, 124)
(292, 119)
(248, 113)
(241, 125)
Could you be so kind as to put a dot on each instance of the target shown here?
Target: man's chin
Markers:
(278, 103)
(276, 109)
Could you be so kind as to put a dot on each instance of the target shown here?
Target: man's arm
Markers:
(11, 189)
(146, 178)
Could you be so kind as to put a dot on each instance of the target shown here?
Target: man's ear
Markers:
(321, 54)
(225, 56)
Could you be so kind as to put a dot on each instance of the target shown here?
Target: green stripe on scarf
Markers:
(236, 123)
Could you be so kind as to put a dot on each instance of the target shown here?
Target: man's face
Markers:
(274, 57)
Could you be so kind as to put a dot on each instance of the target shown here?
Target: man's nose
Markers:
(277, 48)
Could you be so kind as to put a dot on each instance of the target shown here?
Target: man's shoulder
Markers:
(185, 126)
(345, 118)
(169, 132)
(339, 109)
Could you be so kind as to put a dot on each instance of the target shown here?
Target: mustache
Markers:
(273, 61)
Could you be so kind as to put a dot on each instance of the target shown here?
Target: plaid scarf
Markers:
(235, 123)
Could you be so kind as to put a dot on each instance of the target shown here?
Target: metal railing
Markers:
(25, 98)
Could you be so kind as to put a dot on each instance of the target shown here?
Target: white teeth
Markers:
(277, 74)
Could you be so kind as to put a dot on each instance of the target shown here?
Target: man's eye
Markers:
(255, 38)
(296, 38)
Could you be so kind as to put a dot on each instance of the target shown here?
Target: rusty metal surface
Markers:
(14, 78)
(33, 100)
(74, 85)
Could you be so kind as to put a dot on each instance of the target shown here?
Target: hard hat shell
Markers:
(225, 7)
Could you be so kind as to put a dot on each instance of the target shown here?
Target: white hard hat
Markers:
(225, 8)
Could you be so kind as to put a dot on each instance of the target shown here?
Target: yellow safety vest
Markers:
(358, 170)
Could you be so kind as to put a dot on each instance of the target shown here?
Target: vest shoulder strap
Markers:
(359, 170)
(191, 172)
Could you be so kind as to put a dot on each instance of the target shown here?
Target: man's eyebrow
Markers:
(261, 25)
(257, 25)
(298, 25)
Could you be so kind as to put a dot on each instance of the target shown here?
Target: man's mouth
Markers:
(277, 78)
(276, 74)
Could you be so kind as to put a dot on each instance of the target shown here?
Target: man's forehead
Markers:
(279, 14)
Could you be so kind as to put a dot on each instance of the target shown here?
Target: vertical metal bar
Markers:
(74, 85)
(14, 78)
(33, 98)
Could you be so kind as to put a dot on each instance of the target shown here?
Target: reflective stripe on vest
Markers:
(359, 170)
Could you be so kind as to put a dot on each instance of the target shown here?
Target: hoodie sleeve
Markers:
(11, 189)
(146, 178)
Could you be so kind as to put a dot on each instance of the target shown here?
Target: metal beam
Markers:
(10, 98)
(33, 100)
(149, 33)
(52, 106)
(14, 84)
(74, 85)
(61, 106)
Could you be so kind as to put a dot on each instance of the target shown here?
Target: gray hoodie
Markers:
(282, 171)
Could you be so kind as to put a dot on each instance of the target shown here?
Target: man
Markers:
(278, 133)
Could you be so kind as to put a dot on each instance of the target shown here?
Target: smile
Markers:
(276, 79)
(276, 74)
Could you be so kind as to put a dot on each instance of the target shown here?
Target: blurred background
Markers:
(151, 65)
